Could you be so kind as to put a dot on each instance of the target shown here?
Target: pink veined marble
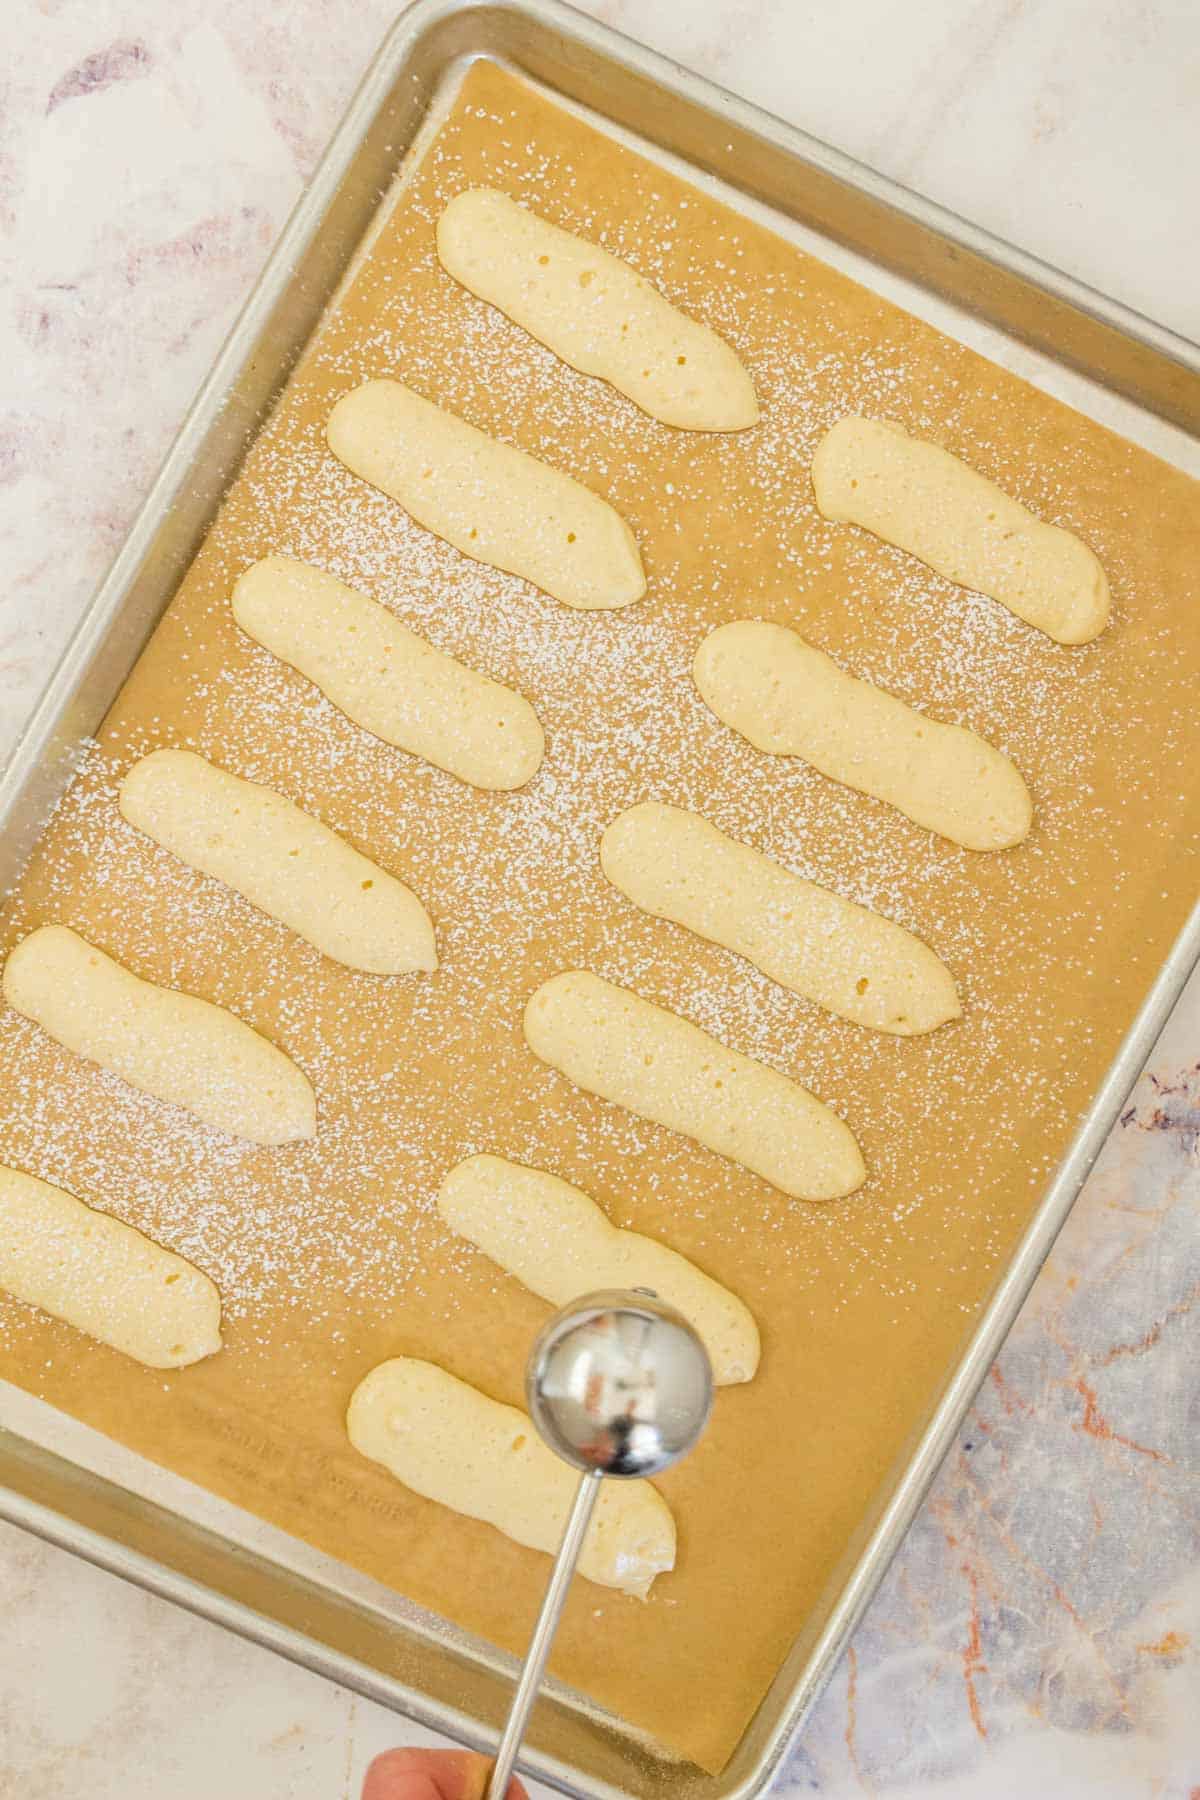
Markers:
(1039, 1633)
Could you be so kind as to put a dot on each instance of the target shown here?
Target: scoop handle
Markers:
(543, 1635)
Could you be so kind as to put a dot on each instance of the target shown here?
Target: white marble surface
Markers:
(1040, 1629)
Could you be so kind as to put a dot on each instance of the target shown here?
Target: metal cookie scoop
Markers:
(617, 1384)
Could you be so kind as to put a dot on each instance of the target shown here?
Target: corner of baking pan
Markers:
(787, 168)
(799, 1684)
(218, 428)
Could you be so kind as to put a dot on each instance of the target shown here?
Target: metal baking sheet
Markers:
(79, 1490)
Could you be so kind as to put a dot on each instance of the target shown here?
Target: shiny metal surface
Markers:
(420, 1667)
(540, 1644)
(618, 1385)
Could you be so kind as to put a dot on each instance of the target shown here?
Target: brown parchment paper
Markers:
(329, 1255)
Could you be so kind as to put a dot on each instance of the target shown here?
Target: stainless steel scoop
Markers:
(618, 1384)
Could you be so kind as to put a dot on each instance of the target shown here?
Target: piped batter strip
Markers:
(675, 865)
(922, 499)
(102, 1277)
(281, 859)
(625, 1049)
(790, 699)
(175, 1047)
(491, 501)
(450, 1443)
(386, 678)
(557, 1241)
(595, 312)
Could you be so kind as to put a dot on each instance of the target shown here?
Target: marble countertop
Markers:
(1040, 1630)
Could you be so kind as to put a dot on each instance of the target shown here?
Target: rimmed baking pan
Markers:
(156, 1530)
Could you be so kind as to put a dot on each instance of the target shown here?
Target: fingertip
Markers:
(392, 1776)
(407, 1773)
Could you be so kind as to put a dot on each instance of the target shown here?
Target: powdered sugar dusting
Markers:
(329, 1254)
(623, 722)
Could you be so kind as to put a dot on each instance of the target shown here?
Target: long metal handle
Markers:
(543, 1636)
